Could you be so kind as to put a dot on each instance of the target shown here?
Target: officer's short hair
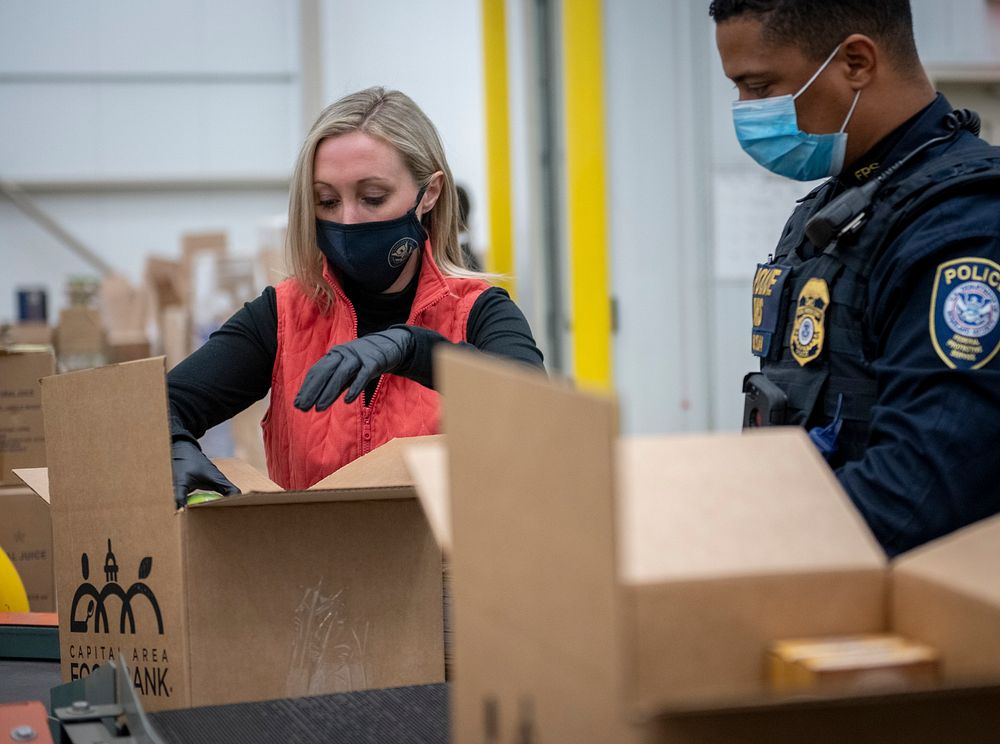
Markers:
(817, 26)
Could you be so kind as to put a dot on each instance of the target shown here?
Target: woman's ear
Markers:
(431, 194)
(862, 56)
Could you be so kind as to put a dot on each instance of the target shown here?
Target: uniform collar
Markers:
(925, 124)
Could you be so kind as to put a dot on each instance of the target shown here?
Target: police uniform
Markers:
(886, 341)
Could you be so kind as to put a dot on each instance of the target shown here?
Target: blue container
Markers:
(32, 305)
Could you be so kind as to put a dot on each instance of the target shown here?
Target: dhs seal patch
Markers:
(965, 312)
(401, 251)
(808, 331)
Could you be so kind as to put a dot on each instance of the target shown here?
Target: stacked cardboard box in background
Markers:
(25, 526)
(31, 322)
(167, 324)
(123, 317)
(31, 333)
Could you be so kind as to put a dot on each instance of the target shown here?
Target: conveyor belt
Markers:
(407, 715)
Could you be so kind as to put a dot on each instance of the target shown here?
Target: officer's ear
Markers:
(863, 57)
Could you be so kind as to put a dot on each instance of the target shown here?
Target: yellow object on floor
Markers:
(13, 598)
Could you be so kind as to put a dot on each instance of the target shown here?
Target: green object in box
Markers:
(202, 497)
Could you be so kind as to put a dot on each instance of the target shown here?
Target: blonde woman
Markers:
(344, 346)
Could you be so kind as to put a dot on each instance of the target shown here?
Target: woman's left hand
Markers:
(352, 366)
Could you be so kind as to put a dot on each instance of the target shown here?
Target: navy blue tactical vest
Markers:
(809, 305)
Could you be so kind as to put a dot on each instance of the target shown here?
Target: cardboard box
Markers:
(29, 333)
(270, 594)
(175, 336)
(123, 311)
(22, 432)
(627, 590)
(127, 352)
(248, 435)
(26, 535)
(167, 326)
(80, 339)
(865, 662)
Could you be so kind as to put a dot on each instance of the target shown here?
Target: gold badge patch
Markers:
(808, 331)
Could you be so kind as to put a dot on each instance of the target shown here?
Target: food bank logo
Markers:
(97, 603)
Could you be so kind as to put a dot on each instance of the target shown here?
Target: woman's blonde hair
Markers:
(393, 117)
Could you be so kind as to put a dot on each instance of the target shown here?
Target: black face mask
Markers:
(372, 254)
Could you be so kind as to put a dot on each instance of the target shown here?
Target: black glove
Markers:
(192, 470)
(355, 363)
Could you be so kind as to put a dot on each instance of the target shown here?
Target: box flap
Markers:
(381, 474)
(246, 477)
(427, 460)
(22, 431)
(947, 594)
(965, 560)
(383, 467)
(531, 473)
(725, 505)
(116, 537)
(37, 479)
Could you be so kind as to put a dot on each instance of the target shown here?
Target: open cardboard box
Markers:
(26, 536)
(22, 432)
(266, 595)
(25, 529)
(614, 590)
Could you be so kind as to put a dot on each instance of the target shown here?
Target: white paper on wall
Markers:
(751, 208)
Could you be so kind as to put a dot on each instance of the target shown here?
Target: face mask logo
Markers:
(401, 251)
(372, 254)
(768, 131)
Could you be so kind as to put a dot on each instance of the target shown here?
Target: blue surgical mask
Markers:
(768, 131)
(372, 254)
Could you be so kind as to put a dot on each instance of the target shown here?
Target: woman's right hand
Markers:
(192, 470)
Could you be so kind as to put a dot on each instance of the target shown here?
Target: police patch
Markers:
(808, 331)
(965, 312)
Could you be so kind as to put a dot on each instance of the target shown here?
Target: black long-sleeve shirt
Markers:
(233, 368)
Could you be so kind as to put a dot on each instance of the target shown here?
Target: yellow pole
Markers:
(590, 299)
(500, 252)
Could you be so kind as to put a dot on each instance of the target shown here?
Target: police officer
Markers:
(877, 319)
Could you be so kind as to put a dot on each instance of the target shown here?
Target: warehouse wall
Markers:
(130, 123)
(432, 51)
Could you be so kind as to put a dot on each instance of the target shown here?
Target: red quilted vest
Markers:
(303, 447)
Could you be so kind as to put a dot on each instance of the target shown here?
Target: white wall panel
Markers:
(48, 131)
(959, 32)
(134, 131)
(430, 50)
(163, 36)
(48, 36)
(110, 91)
(525, 136)
(658, 155)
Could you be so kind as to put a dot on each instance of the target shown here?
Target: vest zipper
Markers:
(366, 410)
(366, 429)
